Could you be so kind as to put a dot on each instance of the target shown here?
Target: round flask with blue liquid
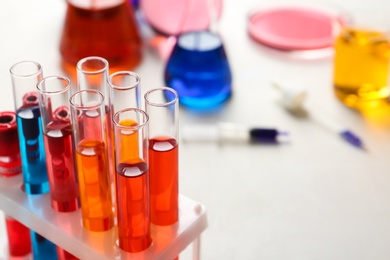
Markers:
(198, 69)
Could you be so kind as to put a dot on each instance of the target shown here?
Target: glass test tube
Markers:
(124, 93)
(65, 255)
(10, 163)
(42, 248)
(124, 90)
(19, 241)
(92, 73)
(88, 115)
(54, 94)
(161, 104)
(25, 75)
(132, 179)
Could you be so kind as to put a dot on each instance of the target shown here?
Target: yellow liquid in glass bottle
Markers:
(361, 68)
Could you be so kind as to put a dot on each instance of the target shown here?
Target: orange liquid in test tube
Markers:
(95, 189)
(130, 138)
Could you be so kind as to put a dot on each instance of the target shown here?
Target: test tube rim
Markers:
(135, 127)
(62, 78)
(130, 73)
(27, 75)
(11, 123)
(166, 104)
(88, 72)
(86, 107)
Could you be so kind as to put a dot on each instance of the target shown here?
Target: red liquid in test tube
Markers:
(161, 104)
(61, 162)
(10, 163)
(19, 240)
(64, 255)
(163, 159)
(132, 180)
(132, 200)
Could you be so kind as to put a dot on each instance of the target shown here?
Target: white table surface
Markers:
(315, 198)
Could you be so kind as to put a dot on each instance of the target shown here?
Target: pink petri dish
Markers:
(293, 28)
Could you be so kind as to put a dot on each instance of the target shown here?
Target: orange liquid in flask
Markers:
(361, 67)
(103, 28)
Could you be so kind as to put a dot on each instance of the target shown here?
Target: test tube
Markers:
(124, 90)
(161, 104)
(88, 115)
(54, 94)
(132, 179)
(65, 255)
(10, 163)
(25, 75)
(92, 74)
(19, 241)
(42, 248)
(124, 93)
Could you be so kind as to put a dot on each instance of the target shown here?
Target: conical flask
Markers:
(198, 69)
(105, 28)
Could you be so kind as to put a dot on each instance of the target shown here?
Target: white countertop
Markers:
(315, 198)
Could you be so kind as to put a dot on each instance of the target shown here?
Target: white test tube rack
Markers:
(66, 231)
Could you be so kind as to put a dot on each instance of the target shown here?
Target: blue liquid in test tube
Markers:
(34, 170)
(25, 75)
(42, 248)
(32, 150)
(199, 71)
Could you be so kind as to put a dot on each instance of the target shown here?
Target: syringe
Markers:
(227, 132)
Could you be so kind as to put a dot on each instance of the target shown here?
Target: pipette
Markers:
(227, 132)
(293, 97)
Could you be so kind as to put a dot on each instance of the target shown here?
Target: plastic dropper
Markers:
(293, 97)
